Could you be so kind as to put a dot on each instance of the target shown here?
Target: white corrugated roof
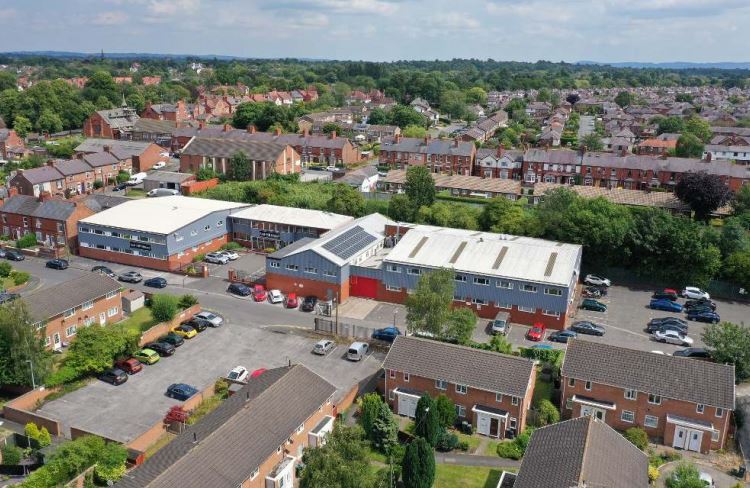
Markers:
(475, 252)
(300, 217)
(162, 215)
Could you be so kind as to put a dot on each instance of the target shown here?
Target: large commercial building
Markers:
(162, 233)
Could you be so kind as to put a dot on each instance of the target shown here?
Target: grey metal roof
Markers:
(581, 452)
(98, 201)
(226, 148)
(54, 209)
(155, 126)
(50, 302)
(485, 370)
(668, 376)
(168, 176)
(237, 437)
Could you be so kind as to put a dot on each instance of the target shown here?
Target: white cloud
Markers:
(453, 21)
(110, 18)
(309, 21)
(173, 7)
(8, 13)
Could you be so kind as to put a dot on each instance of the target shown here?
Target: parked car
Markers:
(157, 282)
(136, 179)
(231, 255)
(357, 351)
(197, 323)
(3, 252)
(701, 302)
(603, 290)
(159, 164)
(595, 305)
(387, 334)
(129, 365)
(162, 348)
(57, 264)
(536, 333)
(308, 304)
(147, 356)
(259, 293)
(114, 376)
(500, 324)
(240, 289)
(666, 305)
(585, 327)
(181, 391)
(672, 337)
(171, 338)
(6, 297)
(699, 309)
(212, 318)
(695, 293)
(162, 192)
(675, 324)
(120, 187)
(216, 258)
(185, 331)
(131, 277)
(258, 372)
(704, 316)
(12, 255)
(323, 347)
(591, 292)
(693, 352)
(562, 336)
(596, 280)
(707, 480)
(239, 373)
(664, 320)
(275, 296)
(665, 295)
(291, 301)
(104, 270)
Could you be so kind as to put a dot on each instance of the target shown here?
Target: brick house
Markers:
(59, 311)
(130, 156)
(254, 439)
(441, 156)
(491, 390)
(115, 123)
(166, 111)
(10, 144)
(35, 181)
(680, 402)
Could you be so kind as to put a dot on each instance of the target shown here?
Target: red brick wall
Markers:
(291, 284)
(95, 126)
(194, 186)
(148, 158)
(20, 410)
(59, 324)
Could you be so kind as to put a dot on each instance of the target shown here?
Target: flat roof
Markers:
(299, 217)
(162, 215)
(485, 253)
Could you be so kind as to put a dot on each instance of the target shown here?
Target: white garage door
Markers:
(407, 405)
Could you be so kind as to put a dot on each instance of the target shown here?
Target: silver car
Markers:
(216, 258)
(672, 337)
(214, 319)
(323, 347)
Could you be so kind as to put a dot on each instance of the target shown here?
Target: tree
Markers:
(22, 126)
(638, 437)
(624, 99)
(404, 115)
(330, 127)
(418, 466)
(101, 84)
(734, 237)
(477, 95)
(49, 122)
(671, 125)
(500, 343)
(341, 463)
(426, 420)
(592, 142)
(703, 192)
(459, 325)
(741, 202)
(446, 411)
(419, 186)
(737, 268)
(400, 208)
(384, 435)
(572, 98)
(699, 128)
(453, 103)
(377, 116)
(346, 200)
(503, 216)
(546, 413)
(368, 408)
(414, 131)
(10, 454)
(95, 348)
(164, 307)
(239, 166)
(427, 309)
(689, 146)
(729, 343)
(7, 81)
(685, 475)
(21, 342)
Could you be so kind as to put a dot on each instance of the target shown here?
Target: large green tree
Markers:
(427, 420)
(21, 347)
(95, 348)
(384, 435)
(699, 128)
(404, 115)
(624, 98)
(737, 268)
(341, 463)
(239, 166)
(419, 186)
(418, 466)
(428, 308)
(101, 84)
(505, 217)
(689, 146)
(346, 200)
(730, 344)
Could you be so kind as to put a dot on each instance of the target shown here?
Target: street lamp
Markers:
(31, 367)
(395, 311)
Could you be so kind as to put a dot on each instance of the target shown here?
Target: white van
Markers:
(357, 351)
(162, 192)
(136, 179)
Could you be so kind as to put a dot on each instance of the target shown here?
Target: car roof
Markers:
(146, 350)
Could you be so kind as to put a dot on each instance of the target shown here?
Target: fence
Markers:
(342, 329)
(193, 186)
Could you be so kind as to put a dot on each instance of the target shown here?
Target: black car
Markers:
(701, 308)
(601, 290)
(57, 264)
(675, 326)
(172, 338)
(659, 295)
(701, 302)
(6, 297)
(240, 289)
(198, 324)
(589, 328)
(120, 187)
(157, 282)
(693, 352)
(665, 320)
(562, 336)
(308, 304)
(104, 270)
(12, 255)
(162, 348)
(114, 376)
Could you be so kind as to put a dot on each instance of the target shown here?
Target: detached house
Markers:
(683, 403)
(493, 391)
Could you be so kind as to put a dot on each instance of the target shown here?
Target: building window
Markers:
(569, 404)
(588, 386)
(715, 435)
(478, 301)
(459, 277)
(292, 267)
(627, 416)
(254, 474)
(553, 291)
(441, 385)
(571, 382)
(70, 331)
(462, 389)
(393, 268)
(506, 306)
(47, 341)
(528, 288)
(700, 408)
(273, 264)
(504, 284)
(719, 412)
(406, 377)
(311, 270)
(551, 313)
(219, 223)
(526, 309)
(654, 399)
(300, 428)
(392, 373)
(328, 272)
(69, 312)
(206, 228)
(392, 288)
(112, 294)
(514, 400)
(651, 421)
(87, 305)
(278, 450)
(414, 271)
(630, 394)
(498, 397)
(112, 312)
(481, 281)
(461, 411)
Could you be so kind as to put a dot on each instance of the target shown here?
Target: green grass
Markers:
(542, 390)
(135, 193)
(139, 321)
(450, 476)
(472, 440)
(7, 283)
(204, 408)
(376, 456)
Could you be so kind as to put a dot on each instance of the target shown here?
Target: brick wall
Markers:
(193, 186)
(148, 158)
(20, 410)
(291, 284)
(60, 324)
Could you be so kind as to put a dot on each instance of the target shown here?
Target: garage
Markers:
(407, 402)
(363, 287)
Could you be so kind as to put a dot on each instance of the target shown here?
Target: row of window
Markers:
(306, 269)
(122, 235)
(460, 389)
(38, 223)
(194, 232)
(87, 305)
(134, 252)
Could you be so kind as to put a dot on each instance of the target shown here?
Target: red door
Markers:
(363, 287)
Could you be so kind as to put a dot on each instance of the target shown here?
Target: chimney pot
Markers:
(333, 134)
(227, 127)
(277, 131)
(106, 148)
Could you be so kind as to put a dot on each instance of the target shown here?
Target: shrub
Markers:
(98, 184)
(65, 374)
(447, 441)
(653, 473)
(31, 430)
(205, 173)
(187, 301)
(221, 388)
(122, 176)
(232, 246)
(446, 410)
(509, 450)
(198, 258)
(164, 307)
(45, 439)
(547, 413)
(20, 277)
(11, 455)
(369, 405)
(29, 240)
(638, 437)
(5, 269)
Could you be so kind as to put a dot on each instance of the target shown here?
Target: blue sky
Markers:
(521, 30)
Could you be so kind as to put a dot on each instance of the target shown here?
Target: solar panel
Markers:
(349, 243)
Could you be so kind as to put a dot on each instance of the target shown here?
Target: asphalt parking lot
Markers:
(124, 412)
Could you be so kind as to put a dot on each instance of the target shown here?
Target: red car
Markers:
(291, 301)
(257, 372)
(259, 293)
(536, 333)
(130, 365)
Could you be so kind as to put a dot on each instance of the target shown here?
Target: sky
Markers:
(385, 30)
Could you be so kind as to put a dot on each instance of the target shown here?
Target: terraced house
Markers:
(440, 156)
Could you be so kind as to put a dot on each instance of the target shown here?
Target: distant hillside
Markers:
(78, 55)
(673, 65)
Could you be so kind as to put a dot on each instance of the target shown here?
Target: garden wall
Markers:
(20, 410)
(193, 186)
(164, 327)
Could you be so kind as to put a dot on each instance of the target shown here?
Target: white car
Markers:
(596, 280)
(216, 258)
(672, 337)
(239, 374)
(159, 165)
(275, 296)
(231, 255)
(162, 192)
(323, 347)
(164, 154)
(215, 320)
(331, 168)
(695, 293)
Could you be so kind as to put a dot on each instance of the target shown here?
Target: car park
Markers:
(672, 337)
(162, 348)
(357, 351)
(665, 295)
(181, 391)
(309, 303)
(275, 296)
(500, 324)
(704, 316)
(259, 293)
(594, 305)
(387, 334)
(230, 255)
(185, 331)
(536, 333)
(197, 323)
(596, 280)
(239, 374)
(131, 277)
(104, 270)
(695, 293)
(157, 282)
(212, 318)
(129, 365)
(665, 305)
(12, 255)
(171, 338)
(291, 301)
(239, 289)
(57, 264)
(147, 356)
(700, 303)
(693, 353)
(114, 376)
(562, 336)
(586, 327)
(215, 258)
(323, 347)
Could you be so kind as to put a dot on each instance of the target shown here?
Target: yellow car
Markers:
(185, 331)
(147, 356)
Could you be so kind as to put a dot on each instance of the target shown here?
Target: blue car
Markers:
(704, 316)
(666, 305)
(387, 334)
(181, 391)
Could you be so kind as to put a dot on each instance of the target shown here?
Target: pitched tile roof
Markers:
(485, 370)
(54, 300)
(581, 452)
(69, 167)
(42, 174)
(54, 209)
(226, 148)
(237, 437)
(433, 146)
(668, 376)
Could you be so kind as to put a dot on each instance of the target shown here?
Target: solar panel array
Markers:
(349, 243)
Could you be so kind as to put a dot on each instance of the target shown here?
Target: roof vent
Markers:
(195, 438)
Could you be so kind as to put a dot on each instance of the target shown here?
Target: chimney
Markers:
(51, 163)
(251, 129)
(201, 124)
(398, 138)
(106, 148)
(455, 142)
(12, 191)
(708, 156)
(305, 132)
(426, 140)
(79, 156)
(148, 106)
(500, 150)
(333, 134)
(277, 131)
(195, 438)
(227, 128)
(44, 196)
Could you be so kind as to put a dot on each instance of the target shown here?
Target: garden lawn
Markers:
(7, 283)
(139, 321)
(542, 390)
(450, 476)
(472, 440)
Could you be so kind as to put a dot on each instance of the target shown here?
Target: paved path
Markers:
(586, 126)
(472, 460)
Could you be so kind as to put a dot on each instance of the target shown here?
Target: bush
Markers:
(164, 307)
(29, 240)
(653, 473)
(547, 413)
(98, 184)
(205, 173)
(187, 301)
(638, 437)
(31, 430)
(221, 388)
(369, 405)
(446, 410)
(232, 246)
(5, 269)
(11, 455)
(517, 447)
(198, 258)
(20, 277)
(122, 176)
(447, 441)
(45, 439)
(65, 374)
